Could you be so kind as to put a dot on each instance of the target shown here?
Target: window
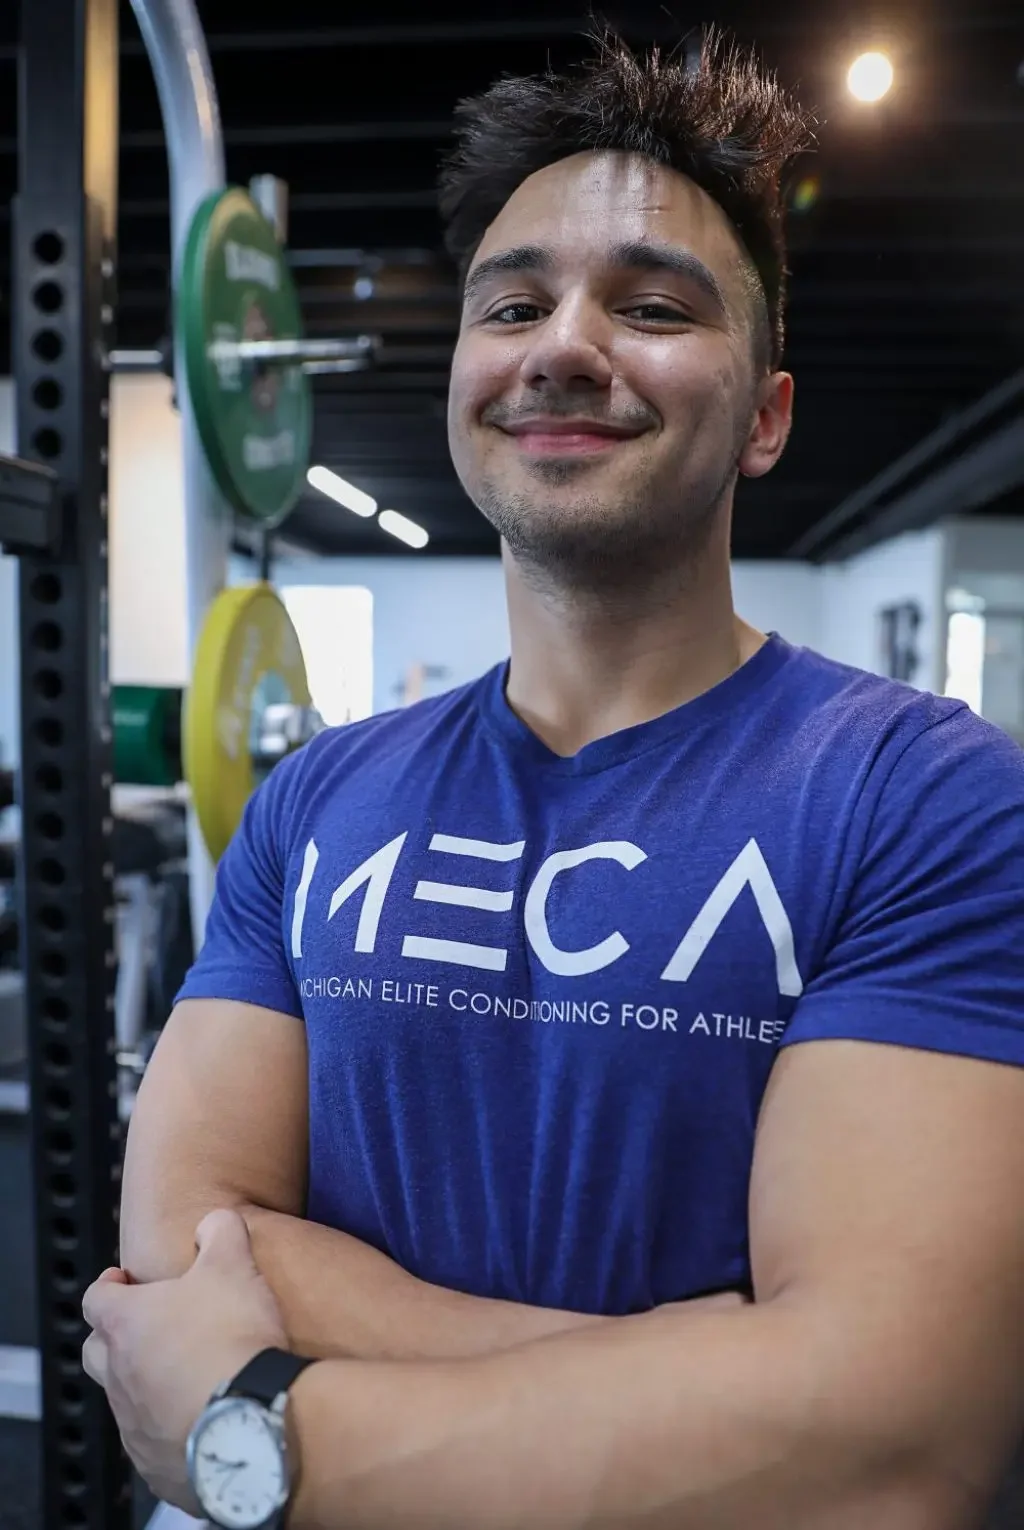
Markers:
(335, 627)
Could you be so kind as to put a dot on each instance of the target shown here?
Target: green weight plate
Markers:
(254, 419)
(147, 735)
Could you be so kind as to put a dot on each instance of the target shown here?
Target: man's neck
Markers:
(586, 664)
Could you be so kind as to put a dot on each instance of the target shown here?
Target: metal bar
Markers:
(292, 350)
(64, 270)
(1008, 395)
(135, 361)
(330, 368)
(178, 54)
(370, 259)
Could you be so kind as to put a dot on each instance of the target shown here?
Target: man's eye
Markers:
(657, 313)
(514, 313)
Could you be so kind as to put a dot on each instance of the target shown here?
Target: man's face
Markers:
(603, 393)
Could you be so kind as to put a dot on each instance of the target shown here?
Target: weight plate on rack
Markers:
(254, 418)
(248, 658)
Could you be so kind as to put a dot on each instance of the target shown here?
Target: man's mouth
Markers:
(540, 436)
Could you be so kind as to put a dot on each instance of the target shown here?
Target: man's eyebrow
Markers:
(644, 255)
(633, 255)
(523, 257)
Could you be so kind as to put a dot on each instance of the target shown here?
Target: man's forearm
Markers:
(340, 1297)
(694, 1421)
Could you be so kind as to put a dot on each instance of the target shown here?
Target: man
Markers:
(668, 960)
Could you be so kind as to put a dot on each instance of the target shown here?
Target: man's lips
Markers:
(567, 436)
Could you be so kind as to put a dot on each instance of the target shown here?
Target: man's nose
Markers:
(570, 349)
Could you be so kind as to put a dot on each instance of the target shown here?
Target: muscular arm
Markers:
(221, 1120)
(878, 1381)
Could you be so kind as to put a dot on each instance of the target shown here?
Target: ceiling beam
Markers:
(811, 292)
(305, 202)
(971, 482)
(972, 458)
(394, 131)
(874, 246)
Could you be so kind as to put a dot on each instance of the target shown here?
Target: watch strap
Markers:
(267, 1375)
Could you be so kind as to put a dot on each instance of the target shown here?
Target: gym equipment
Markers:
(254, 422)
(247, 707)
(240, 333)
(147, 734)
(248, 661)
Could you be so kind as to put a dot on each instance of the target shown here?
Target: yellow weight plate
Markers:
(248, 657)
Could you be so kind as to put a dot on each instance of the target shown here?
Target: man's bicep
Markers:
(221, 1118)
(887, 1198)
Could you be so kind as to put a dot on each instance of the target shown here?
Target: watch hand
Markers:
(226, 1484)
(215, 1461)
(234, 1467)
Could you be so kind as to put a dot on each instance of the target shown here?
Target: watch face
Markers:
(238, 1467)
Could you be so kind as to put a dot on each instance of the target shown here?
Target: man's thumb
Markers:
(223, 1238)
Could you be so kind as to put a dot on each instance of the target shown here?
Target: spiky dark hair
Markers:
(717, 116)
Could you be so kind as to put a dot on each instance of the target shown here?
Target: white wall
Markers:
(780, 597)
(986, 558)
(148, 639)
(909, 568)
(447, 614)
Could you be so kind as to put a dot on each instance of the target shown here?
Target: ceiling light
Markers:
(870, 77)
(401, 527)
(345, 493)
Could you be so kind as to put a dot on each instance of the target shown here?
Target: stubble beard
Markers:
(588, 544)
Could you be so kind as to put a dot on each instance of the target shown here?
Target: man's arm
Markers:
(878, 1382)
(221, 1121)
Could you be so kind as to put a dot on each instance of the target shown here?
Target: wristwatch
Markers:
(237, 1453)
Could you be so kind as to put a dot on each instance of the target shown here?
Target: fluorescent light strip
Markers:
(401, 527)
(342, 492)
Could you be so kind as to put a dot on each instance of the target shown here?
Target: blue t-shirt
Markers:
(543, 996)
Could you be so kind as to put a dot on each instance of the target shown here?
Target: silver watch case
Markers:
(274, 1415)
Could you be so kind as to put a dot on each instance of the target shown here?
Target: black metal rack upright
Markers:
(63, 307)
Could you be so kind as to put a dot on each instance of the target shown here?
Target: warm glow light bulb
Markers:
(870, 77)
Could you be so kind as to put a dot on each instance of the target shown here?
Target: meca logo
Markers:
(749, 869)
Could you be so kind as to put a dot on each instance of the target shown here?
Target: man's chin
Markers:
(600, 542)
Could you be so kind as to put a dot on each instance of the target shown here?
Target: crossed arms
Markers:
(878, 1380)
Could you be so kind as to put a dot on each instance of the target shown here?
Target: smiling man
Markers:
(667, 960)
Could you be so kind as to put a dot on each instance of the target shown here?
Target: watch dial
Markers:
(238, 1468)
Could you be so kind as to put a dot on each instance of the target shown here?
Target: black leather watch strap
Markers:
(270, 1372)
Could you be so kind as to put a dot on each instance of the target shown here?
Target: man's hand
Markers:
(160, 1350)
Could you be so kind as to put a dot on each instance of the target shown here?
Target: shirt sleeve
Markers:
(244, 955)
(930, 950)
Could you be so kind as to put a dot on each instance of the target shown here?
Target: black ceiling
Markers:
(907, 287)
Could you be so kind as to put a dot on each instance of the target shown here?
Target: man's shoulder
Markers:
(872, 713)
